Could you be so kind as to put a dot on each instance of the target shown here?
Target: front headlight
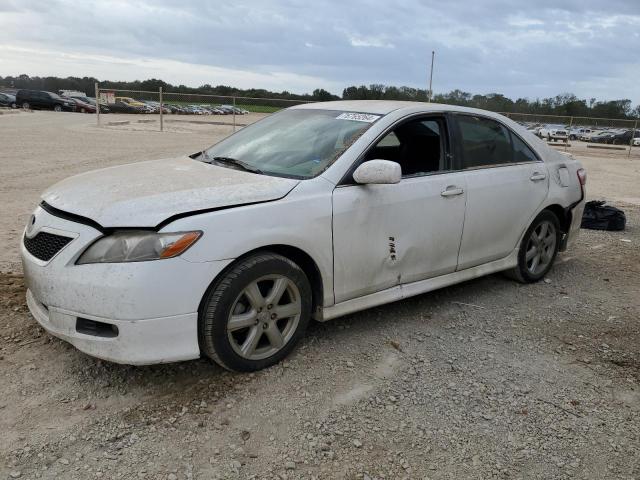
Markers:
(137, 246)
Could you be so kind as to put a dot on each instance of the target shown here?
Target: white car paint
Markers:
(371, 244)
(144, 194)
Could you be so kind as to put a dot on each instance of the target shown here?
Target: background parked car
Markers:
(7, 100)
(553, 132)
(603, 137)
(587, 136)
(90, 100)
(624, 138)
(576, 133)
(122, 107)
(81, 106)
(40, 99)
(131, 102)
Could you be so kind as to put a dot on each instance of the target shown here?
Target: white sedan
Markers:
(317, 211)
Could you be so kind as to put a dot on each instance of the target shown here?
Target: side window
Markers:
(521, 152)
(417, 145)
(485, 142)
(389, 140)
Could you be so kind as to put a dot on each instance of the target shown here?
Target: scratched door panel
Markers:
(385, 235)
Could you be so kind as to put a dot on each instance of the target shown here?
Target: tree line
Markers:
(566, 104)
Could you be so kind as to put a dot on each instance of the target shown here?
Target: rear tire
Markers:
(255, 314)
(538, 249)
(26, 105)
(57, 108)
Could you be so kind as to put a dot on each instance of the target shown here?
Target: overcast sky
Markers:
(530, 48)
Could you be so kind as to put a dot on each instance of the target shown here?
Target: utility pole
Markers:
(433, 54)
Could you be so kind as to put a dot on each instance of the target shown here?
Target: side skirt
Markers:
(416, 288)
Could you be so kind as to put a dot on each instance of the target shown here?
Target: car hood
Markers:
(144, 194)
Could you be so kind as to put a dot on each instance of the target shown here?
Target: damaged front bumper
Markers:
(131, 313)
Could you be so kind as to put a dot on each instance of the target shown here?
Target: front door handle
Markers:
(451, 190)
(537, 176)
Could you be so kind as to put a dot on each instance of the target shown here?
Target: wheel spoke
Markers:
(288, 310)
(252, 292)
(534, 263)
(242, 320)
(531, 253)
(277, 290)
(274, 336)
(543, 231)
(251, 342)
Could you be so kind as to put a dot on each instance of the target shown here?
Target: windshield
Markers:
(293, 143)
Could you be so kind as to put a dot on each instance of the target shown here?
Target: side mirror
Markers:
(378, 172)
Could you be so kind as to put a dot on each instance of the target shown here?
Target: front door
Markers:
(387, 235)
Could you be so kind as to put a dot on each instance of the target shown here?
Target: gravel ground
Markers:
(487, 379)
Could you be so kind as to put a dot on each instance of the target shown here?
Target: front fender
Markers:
(303, 219)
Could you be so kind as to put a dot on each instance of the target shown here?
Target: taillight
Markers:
(582, 176)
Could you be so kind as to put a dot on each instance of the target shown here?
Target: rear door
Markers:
(506, 184)
(42, 100)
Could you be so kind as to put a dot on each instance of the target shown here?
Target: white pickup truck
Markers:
(553, 132)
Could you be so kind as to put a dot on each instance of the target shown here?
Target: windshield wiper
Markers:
(232, 161)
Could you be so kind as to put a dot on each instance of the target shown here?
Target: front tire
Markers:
(57, 108)
(26, 106)
(255, 314)
(538, 249)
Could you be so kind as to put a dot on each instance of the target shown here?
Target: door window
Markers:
(485, 142)
(521, 152)
(417, 145)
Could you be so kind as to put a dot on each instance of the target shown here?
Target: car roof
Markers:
(384, 107)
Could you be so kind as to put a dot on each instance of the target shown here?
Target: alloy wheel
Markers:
(264, 317)
(541, 247)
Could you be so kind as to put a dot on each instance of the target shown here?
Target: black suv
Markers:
(39, 99)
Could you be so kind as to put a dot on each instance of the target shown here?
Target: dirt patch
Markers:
(484, 379)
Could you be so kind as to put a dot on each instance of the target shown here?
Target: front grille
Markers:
(45, 245)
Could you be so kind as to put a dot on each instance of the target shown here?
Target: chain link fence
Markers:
(166, 108)
(610, 134)
(158, 110)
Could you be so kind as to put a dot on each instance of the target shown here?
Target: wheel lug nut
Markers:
(273, 316)
(269, 307)
(265, 325)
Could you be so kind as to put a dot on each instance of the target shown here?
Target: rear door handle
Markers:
(537, 176)
(451, 191)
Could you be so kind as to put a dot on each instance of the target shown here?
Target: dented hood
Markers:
(145, 194)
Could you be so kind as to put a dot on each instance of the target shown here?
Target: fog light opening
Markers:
(95, 328)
